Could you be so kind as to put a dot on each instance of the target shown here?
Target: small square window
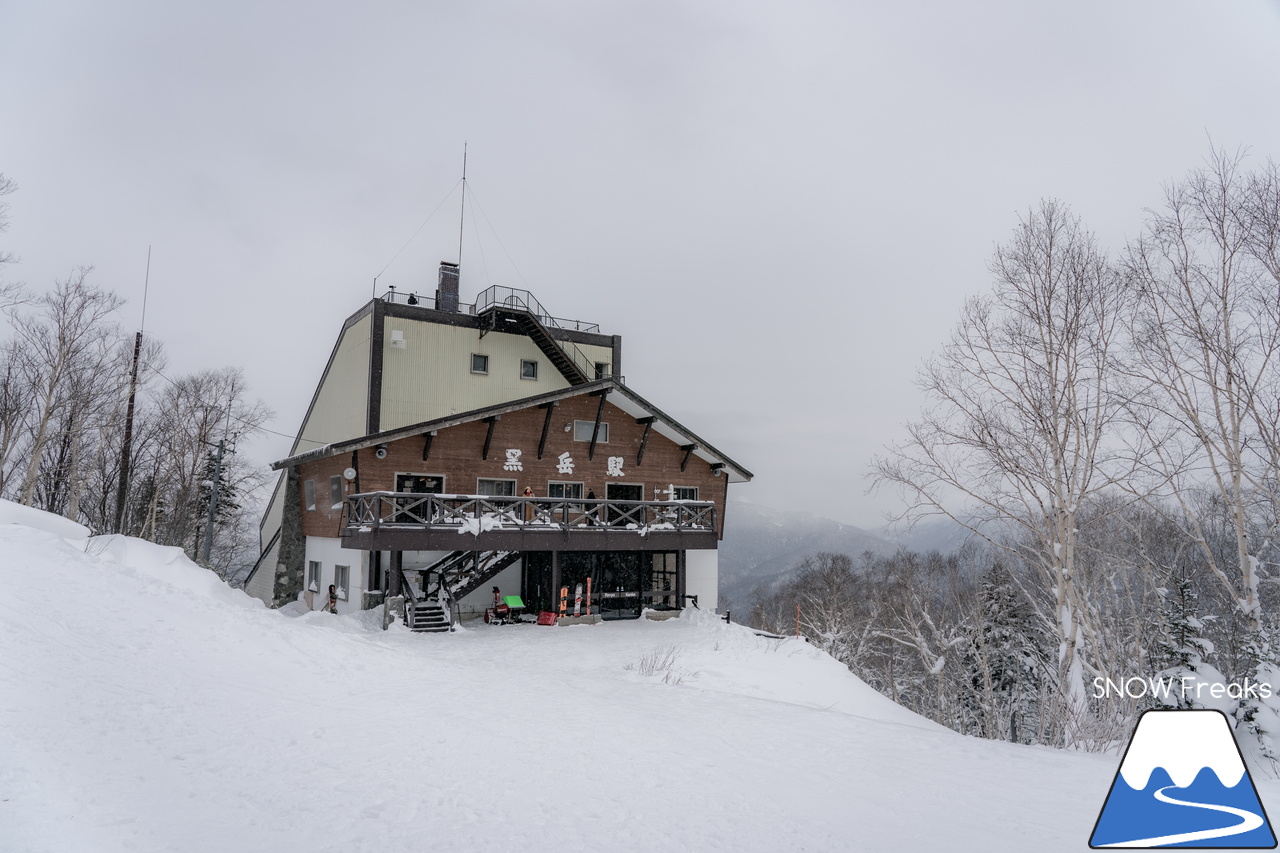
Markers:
(528, 369)
(685, 493)
(582, 431)
(309, 492)
(342, 579)
(602, 369)
(479, 363)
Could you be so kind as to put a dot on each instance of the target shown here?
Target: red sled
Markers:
(546, 617)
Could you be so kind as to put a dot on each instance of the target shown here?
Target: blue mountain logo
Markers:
(1183, 783)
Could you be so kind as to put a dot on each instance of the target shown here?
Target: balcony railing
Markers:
(372, 511)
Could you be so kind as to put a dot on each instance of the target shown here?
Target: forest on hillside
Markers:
(1106, 427)
(73, 382)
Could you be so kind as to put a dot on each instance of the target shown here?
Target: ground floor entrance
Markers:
(623, 583)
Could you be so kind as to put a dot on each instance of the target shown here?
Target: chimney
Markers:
(447, 289)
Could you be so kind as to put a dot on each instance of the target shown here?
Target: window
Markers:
(313, 576)
(582, 431)
(685, 493)
(496, 488)
(479, 363)
(309, 492)
(420, 484)
(602, 369)
(341, 579)
(564, 490)
(335, 492)
(528, 369)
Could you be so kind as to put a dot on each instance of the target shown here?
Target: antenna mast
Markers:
(462, 217)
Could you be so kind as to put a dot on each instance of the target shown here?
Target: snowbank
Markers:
(12, 513)
(160, 710)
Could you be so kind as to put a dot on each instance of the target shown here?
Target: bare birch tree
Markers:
(1206, 346)
(69, 334)
(1021, 428)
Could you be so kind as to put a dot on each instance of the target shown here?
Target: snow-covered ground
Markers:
(145, 706)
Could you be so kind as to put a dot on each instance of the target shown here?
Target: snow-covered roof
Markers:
(618, 394)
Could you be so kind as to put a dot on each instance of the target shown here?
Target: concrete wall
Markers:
(338, 412)
(702, 577)
(508, 580)
(330, 553)
(341, 403)
(262, 584)
(430, 375)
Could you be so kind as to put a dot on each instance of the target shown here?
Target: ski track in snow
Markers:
(1248, 822)
(147, 707)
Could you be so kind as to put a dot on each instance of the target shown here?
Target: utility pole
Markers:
(213, 499)
(122, 486)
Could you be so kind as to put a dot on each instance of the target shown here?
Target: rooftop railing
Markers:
(497, 295)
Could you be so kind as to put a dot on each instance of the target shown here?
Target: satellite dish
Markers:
(350, 473)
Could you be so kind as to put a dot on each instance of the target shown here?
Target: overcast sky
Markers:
(779, 206)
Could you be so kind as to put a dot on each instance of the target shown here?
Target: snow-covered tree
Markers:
(1005, 661)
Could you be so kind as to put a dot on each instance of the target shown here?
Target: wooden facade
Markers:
(457, 455)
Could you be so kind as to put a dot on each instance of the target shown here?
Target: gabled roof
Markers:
(618, 394)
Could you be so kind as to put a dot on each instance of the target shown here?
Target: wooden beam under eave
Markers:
(488, 436)
(546, 425)
(644, 439)
(595, 431)
(688, 451)
(426, 447)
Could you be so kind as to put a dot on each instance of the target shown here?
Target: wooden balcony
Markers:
(402, 521)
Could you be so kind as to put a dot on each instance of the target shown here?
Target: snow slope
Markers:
(145, 706)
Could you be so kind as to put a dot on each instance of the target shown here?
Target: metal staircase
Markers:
(427, 616)
(505, 309)
(450, 578)
(462, 572)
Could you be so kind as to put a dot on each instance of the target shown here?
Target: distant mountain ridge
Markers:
(762, 546)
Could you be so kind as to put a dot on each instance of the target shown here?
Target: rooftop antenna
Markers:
(462, 217)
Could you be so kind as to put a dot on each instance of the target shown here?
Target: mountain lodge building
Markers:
(451, 448)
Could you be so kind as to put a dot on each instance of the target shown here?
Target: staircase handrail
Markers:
(516, 299)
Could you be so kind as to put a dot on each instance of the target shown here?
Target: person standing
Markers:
(333, 599)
